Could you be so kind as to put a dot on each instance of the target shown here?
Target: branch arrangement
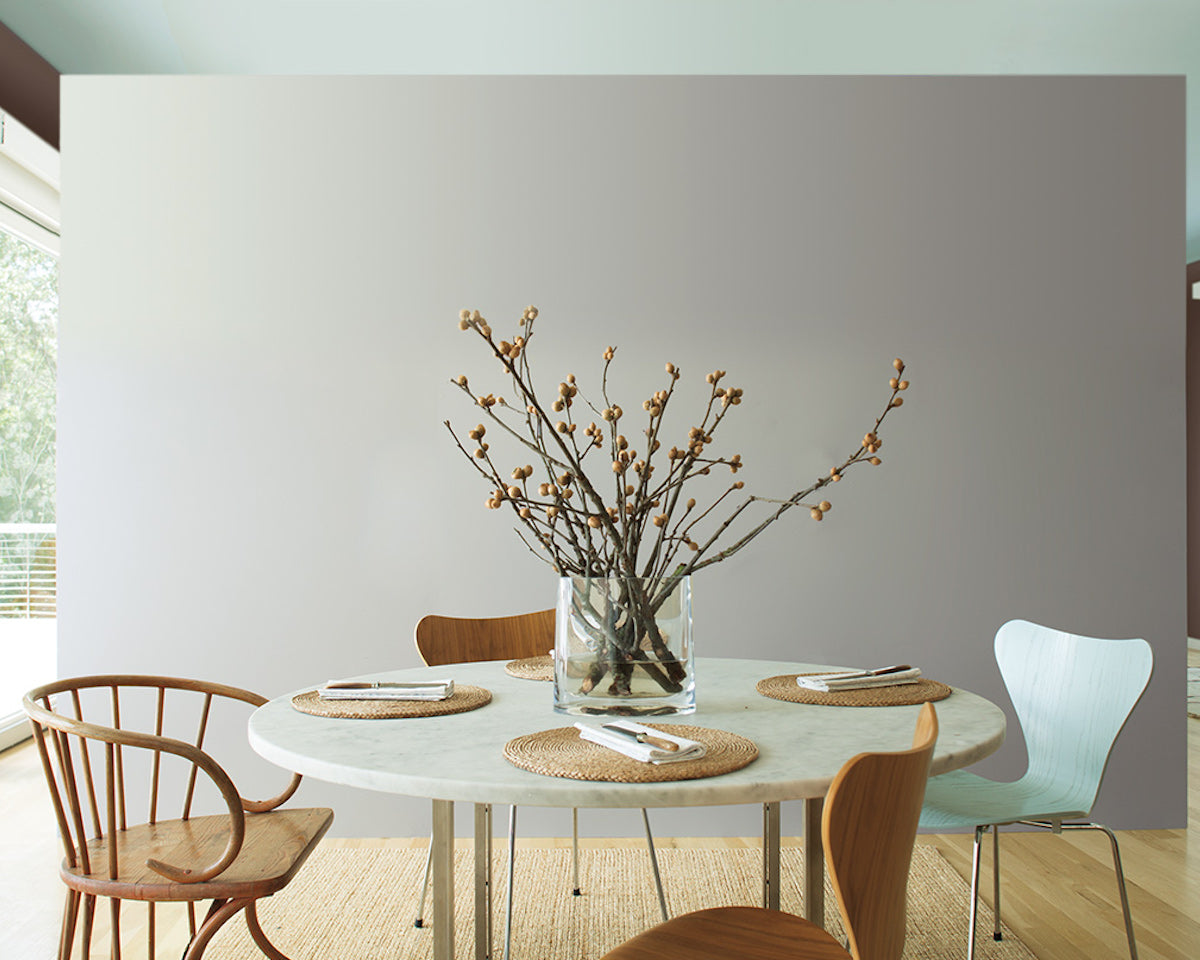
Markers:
(594, 503)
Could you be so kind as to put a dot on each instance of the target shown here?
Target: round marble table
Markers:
(459, 757)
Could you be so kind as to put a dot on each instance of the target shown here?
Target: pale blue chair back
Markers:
(1072, 696)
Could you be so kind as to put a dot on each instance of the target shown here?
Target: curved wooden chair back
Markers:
(124, 759)
(463, 640)
(1072, 695)
(869, 826)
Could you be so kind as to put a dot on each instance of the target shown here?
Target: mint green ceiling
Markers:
(625, 36)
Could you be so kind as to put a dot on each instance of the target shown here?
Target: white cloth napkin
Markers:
(860, 679)
(607, 736)
(378, 690)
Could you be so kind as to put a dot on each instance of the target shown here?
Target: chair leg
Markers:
(1116, 850)
(89, 913)
(420, 921)
(996, 882)
(115, 921)
(512, 858)
(662, 900)
(67, 936)
(213, 921)
(974, 892)
(256, 931)
(575, 890)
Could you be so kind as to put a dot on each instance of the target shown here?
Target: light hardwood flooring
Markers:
(1057, 893)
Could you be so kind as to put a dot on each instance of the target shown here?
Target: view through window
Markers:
(29, 231)
(28, 379)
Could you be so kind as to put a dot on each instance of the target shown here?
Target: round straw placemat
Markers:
(531, 668)
(464, 698)
(562, 752)
(785, 688)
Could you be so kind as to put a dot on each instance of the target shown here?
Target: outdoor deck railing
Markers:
(28, 571)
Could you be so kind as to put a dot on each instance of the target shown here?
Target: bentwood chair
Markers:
(868, 827)
(111, 757)
(1072, 696)
(443, 640)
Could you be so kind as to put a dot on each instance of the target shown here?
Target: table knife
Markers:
(640, 737)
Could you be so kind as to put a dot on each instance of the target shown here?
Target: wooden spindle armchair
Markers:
(104, 746)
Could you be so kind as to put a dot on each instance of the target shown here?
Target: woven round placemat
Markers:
(785, 688)
(531, 668)
(562, 752)
(465, 698)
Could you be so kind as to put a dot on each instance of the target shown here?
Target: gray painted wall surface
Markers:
(260, 290)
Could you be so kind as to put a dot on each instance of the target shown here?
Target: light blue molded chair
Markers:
(1072, 696)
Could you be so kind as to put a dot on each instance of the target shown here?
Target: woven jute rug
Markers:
(359, 904)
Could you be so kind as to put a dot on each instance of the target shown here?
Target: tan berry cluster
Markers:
(637, 528)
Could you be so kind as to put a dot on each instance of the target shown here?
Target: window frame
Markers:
(29, 210)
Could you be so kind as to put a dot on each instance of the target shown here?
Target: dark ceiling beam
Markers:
(28, 87)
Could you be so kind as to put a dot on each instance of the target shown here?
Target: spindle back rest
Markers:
(89, 730)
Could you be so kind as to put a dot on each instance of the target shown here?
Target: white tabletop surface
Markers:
(461, 756)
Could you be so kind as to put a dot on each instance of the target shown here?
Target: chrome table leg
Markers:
(443, 879)
(771, 856)
(814, 861)
(483, 881)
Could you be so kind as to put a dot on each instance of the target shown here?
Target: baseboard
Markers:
(13, 731)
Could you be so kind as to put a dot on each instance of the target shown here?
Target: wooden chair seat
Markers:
(275, 846)
(747, 933)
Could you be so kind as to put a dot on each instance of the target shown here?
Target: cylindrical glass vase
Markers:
(623, 646)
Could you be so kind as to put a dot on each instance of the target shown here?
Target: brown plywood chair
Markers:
(869, 825)
(443, 640)
(111, 767)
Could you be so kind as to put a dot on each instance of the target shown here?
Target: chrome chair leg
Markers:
(1116, 850)
(996, 882)
(974, 892)
(512, 857)
(1112, 838)
(575, 890)
(662, 900)
(420, 921)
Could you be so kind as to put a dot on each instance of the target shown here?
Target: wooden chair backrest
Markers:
(1073, 695)
(462, 640)
(102, 737)
(869, 826)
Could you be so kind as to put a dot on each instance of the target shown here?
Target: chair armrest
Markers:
(149, 741)
(255, 700)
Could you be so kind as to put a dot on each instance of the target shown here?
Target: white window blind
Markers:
(29, 186)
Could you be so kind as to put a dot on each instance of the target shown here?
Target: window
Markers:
(28, 390)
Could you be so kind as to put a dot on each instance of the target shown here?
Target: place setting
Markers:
(890, 686)
(389, 700)
(624, 751)
(532, 668)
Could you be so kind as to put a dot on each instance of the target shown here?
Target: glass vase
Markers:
(623, 646)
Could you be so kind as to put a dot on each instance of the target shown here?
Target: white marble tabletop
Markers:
(461, 756)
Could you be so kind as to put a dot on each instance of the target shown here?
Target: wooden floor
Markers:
(1058, 893)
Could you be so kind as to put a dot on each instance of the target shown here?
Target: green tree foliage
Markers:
(28, 381)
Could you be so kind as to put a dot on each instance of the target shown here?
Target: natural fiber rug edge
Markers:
(359, 904)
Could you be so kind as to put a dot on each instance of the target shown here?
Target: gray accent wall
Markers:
(260, 290)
